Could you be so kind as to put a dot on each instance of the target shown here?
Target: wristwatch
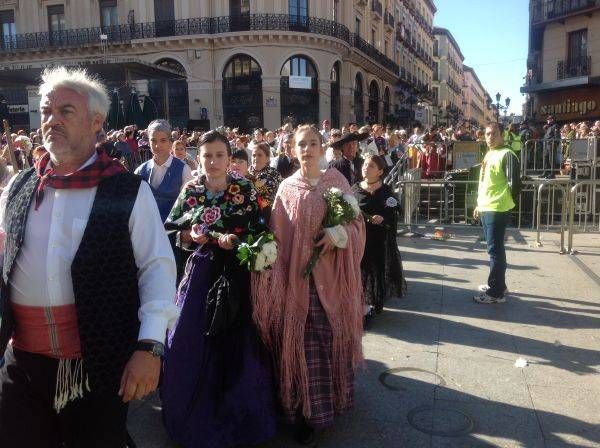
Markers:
(156, 349)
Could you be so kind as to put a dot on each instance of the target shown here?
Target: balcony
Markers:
(545, 11)
(376, 9)
(573, 68)
(128, 33)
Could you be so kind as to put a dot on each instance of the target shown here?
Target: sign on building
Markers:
(18, 108)
(300, 82)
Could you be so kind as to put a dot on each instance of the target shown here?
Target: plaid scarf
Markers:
(87, 177)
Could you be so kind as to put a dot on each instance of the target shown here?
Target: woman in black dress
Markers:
(381, 264)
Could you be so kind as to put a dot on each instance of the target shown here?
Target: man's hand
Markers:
(140, 376)
(476, 213)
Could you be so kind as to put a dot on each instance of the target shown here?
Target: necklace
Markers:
(372, 183)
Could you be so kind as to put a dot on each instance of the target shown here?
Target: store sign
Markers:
(569, 107)
(569, 104)
(18, 108)
(300, 82)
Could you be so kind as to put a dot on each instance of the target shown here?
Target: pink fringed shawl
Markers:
(281, 295)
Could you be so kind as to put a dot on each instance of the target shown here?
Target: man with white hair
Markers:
(165, 174)
(87, 285)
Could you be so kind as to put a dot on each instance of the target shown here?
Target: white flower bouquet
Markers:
(259, 252)
(341, 209)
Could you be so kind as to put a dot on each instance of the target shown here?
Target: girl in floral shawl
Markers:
(217, 390)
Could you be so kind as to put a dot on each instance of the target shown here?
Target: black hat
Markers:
(349, 137)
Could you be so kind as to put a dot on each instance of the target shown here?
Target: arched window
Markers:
(242, 93)
(299, 91)
(335, 95)
(386, 103)
(176, 109)
(374, 102)
(359, 107)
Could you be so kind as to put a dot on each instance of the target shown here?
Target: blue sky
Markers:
(493, 37)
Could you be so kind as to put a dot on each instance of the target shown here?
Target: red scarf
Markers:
(87, 177)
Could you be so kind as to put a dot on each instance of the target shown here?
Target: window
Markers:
(373, 37)
(164, 16)
(299, 66)
(357, 26)
(109, 13)
(298, 8)
(56, 18)
(164, 10)
(239, 7)
(385, 47)
(336, 10)
(7, 28)
(577, 50)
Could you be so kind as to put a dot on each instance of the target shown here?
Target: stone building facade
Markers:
(563, 66)
(448, 78)
(474, 104)
(414, 55)
(243, 63)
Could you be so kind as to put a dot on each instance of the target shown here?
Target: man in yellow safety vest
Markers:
(499, 185)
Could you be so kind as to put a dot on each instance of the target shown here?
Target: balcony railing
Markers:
(574, 67)
(126, 34)
(549, 10)
(377, 8)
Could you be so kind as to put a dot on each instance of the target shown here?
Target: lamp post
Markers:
(499, 107)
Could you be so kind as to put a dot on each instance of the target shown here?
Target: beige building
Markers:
(414, 55)
(563, 67)
(447, 77)
(474, 98)
(490, 110)
(242, 63)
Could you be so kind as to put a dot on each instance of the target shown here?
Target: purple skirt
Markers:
(216, 392)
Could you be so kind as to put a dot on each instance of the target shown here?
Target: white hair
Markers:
(160, 125)
(81, 82)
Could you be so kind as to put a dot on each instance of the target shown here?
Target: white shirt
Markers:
(42, 271)
(157, 172)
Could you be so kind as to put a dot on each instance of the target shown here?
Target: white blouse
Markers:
(42, 271)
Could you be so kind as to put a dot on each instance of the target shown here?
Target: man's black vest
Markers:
(104, 276)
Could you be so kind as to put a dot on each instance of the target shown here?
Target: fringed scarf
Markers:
(281, 295)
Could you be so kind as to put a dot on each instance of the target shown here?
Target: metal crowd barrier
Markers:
(541, 156)
(558, 204)
(587, 206)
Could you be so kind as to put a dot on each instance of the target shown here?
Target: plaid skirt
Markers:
(318, 348)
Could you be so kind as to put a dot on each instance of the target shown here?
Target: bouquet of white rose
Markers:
(341, 209)
(259, 252)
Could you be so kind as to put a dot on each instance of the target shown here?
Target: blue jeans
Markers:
(494, 229)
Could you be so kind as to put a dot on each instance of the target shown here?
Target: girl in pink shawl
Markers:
(312, 325)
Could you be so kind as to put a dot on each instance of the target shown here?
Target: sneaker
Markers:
(485, 288)
(484, 298)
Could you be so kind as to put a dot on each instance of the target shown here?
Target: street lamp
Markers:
(499, 107)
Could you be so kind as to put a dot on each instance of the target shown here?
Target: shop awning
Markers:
(109, 70)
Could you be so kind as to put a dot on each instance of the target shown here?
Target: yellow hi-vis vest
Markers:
(494, 192)
(514, 141)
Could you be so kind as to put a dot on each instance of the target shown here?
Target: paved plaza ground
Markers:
(437, 361)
